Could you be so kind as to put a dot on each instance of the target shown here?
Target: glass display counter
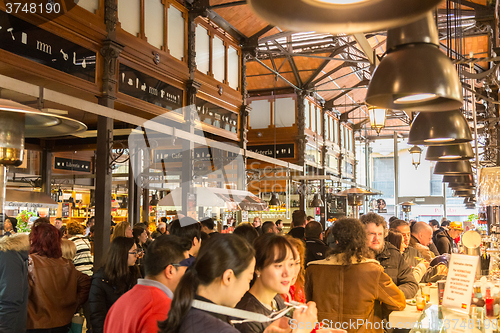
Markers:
(437, 319)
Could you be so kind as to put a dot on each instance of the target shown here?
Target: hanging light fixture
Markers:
(340, 16)
(275, 201)
(416, 154)
(464, 193)
(461, 151)
(154, 200)
(316, 202)
(377, 118)
(438, 128)
(458, 179)
(415, 75)
(453, 168)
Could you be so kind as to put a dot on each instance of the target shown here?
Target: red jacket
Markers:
(139, 309)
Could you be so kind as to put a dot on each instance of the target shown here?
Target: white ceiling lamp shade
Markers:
(415, 75)
(439, 128)
(340, 16)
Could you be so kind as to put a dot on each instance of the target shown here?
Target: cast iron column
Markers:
(301, 142)
(46, 167)
(103, 185)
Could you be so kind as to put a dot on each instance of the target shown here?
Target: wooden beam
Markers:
(366, 48)
(229, 4)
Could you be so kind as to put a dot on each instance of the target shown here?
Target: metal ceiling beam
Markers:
(326, 75)
(275, 36)
(292, 63)
(347, 90)
(277, 74)
(309, 55)
(470, 4)
(366, 48)
(225, 25)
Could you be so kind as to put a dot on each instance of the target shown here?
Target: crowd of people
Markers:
(187, 277)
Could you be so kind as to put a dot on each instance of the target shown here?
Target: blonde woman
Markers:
(122, 229)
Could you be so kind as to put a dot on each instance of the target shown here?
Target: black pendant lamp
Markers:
(461, 151)
(464, 193)
(316, 202)
(340, 16)
(439, 128)
(154, 200)
(415, 75)
(275, 201)
(457, 186)
(458, 179)
(453, 168)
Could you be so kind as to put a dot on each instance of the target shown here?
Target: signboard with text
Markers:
(460, 281)
(36, 44)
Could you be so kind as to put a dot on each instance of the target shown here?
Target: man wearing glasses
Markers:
(140, 309)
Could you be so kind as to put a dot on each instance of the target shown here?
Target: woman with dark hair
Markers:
(347, 285)
(296, 292)
(247, 231)
(220, 275)
(395, 238)
(274, 271)
(117, 276)
(140, 238)
(10, 226)
(56, 288)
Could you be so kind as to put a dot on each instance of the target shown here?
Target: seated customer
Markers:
(347, 286)
(140, 309)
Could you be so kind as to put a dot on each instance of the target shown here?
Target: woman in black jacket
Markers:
(117, 276)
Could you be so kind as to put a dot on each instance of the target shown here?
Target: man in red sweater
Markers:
(140, 309)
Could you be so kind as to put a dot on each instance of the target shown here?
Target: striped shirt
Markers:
(83, 260)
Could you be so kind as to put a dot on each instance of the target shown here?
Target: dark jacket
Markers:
(398, 269)
(445, 243)
(249, 303)
(14, 283)
(203, 321)
(422, 249)
(102, 296)
(433, 249)
(297, 232)
(315, 250)
(345, 294)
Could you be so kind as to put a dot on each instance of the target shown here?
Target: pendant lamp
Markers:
(453, 168)
(464, 193)
(461, 151)
(460, 185)
(377, 118)
(154, 200)
(20, 121)
(316, 202)
(340, 16)
(275, 201)
(415, 75)
(416, 153)
(438, 128)
(458, 179)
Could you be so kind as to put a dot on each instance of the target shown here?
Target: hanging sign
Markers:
(282, 150)
(36, 44)
(70, 164)
(460, 281)
(216, 116)
(147, 88)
